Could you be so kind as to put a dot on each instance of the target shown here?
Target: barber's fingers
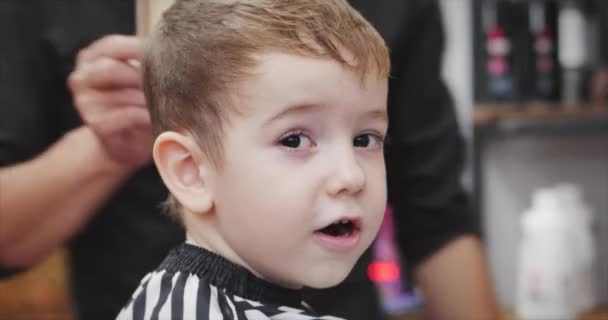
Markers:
(110, 98)
(94, 104)
(121, 47)
(103, 86)
(126, 134)
(121, 119)
(104, 73)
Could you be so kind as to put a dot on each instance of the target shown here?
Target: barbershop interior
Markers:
(528, 88)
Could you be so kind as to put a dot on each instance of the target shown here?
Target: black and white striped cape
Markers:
(195, 284)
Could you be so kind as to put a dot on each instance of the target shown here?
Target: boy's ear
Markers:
(184, 170)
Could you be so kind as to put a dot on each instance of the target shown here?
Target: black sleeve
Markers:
(27, 83)
(425, 151)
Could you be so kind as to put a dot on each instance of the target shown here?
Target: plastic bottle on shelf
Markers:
(499, 57)
(573, 51)
(542, 28)
(556, 256)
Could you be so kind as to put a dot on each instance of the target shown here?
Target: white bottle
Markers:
(572, 51)
(546, 268)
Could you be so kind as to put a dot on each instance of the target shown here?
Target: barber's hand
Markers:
(106, 87)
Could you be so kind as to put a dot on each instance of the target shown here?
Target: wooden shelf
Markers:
(489, 113)
(536, 118)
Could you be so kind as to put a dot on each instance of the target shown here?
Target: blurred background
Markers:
(528, 79)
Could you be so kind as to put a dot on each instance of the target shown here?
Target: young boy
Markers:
(269, 119)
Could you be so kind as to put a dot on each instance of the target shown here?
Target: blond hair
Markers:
(201, 47)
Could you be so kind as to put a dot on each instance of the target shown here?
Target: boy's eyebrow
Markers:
(379, 114)
(376, 114)
(294, 109)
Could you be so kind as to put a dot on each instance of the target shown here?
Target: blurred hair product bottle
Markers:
(543, 30)
(573, 51)
(499, 57)
(556, 256)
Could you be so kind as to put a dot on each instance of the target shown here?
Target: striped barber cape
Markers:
(195, 284)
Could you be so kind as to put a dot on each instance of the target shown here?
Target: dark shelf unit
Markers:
(506, 121)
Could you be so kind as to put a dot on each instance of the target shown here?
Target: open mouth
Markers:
(343, 235)
(341, 228)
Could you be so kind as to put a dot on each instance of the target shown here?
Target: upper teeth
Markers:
(344, 221)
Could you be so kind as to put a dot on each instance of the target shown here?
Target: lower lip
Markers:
(340, 244)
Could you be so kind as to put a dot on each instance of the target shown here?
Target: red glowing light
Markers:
(383, 271)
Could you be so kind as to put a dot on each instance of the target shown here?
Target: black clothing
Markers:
(425, 151)
(129, 236)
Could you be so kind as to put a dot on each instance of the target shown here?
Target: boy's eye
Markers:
(296, 140)
(367, 140)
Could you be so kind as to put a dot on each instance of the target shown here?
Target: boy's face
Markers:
(302, 190)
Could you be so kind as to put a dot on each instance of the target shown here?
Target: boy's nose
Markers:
(347, 176)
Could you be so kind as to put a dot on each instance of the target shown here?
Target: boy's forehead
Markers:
(284, 80)
(284, 68)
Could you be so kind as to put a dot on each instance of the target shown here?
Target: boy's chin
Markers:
(329, 279)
